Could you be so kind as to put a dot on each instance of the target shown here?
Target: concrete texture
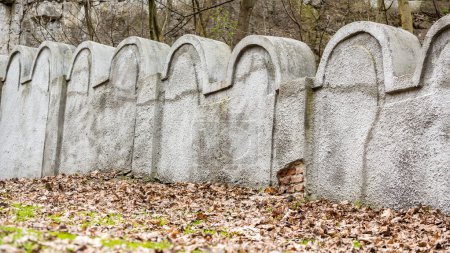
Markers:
(32, 105)
(379, 134)
(12, 138)
(5, 19)
(89, 68)
(259, 70)
(193, 64)
(372, 126)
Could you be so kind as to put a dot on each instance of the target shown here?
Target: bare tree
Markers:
(405, 15)
(153, 21)
(88, 20)
(245, 13)
(438, 13)
(291, 12)
(382, 12)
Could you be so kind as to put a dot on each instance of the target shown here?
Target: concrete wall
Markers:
(380, 117)
(372, 124)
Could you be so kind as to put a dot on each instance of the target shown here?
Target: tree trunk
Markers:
(405, 15)
(245, 12)
(167, 19)
(381, 13)
(153, 21)
(88, 19)
(201, 24)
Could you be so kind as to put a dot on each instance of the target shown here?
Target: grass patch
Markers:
(55, 218)
(13, 236)
(96, 219)
(162, 221)
(188, 230)
(357, 244)
(24, 212)
(112, 243)
(306, 241)
(63, 235)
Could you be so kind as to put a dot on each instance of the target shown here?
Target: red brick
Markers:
(290, 189)
(284, 180)
(300, 169)
(296, 179)
(298, 188)
(291, 171)
(282, 189)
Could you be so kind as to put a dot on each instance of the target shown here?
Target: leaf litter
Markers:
(109, 212)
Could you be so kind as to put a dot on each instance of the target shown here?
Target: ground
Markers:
(106, 212)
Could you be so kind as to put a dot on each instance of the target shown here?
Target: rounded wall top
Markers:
(436, 29)
(26, 55)
(291, 58)
(214, 56)
(100, 57)
(399, 50)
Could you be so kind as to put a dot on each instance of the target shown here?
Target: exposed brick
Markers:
(284, 180)
(300, 169)
(298, 188)
(282, 189)
(291, 189)
(296, 179)
(291, 171)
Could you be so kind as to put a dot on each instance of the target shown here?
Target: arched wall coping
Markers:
(291, 58)
(400, 50)
(100, 58)
(436, 29)
(26, 55)
(213, 55)
(61, 54)
(151, 55)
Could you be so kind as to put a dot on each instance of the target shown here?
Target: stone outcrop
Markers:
(371, 124)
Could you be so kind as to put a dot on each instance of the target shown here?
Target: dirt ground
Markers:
(105, 212)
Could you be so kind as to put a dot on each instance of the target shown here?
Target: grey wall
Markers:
(371, 124)
(380, 118)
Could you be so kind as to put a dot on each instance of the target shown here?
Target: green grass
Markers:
(63, 235)
(306, 241)
(95, 219)
(35, 237)
(358, 204)
(15, 234)
(55, 218)
(210, 231)
(24, 212)
(112, 243)
(357, 244)
(162, 221)
(197, 222)
(188, 230)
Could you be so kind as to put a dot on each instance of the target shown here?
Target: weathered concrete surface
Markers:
(32, 103)
(3, 64)
(148, 87)
(192, 65)
(362, 62)
(385, 149)
(134, 60)
(412, 135)
(258, 67)
(289, 130)
(11, 128)
(50, 66)
(223, 136)
(5, 20)
(90, 68)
